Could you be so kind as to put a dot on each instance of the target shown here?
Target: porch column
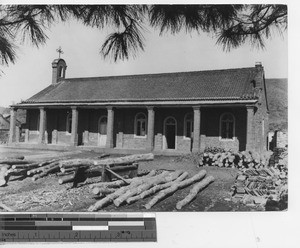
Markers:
(42, 127)
(196, 130)
(249, 134)
(150, 129)
(12, 126)
(74, 130)
(110, 128)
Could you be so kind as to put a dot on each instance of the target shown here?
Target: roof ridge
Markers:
(158, 74)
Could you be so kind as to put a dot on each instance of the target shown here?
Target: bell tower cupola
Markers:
(59, 68)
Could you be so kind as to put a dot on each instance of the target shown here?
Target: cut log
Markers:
(76, 162)
(67, 170)
(15, 161)
(48, 162)
(67, 179)
(156, 188)
(16, 172)
(120, 183)
(51, 168)
(98, 191)
(109, 198)
(127, 160)
(194, 191)
(35, 171)
(103, 156)
(3, 177)
(163, 178)
(25, 166)
(175, 186)
(19, 157)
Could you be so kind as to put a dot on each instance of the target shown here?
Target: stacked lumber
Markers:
(258, 186)
(240, 160)
(164, 184)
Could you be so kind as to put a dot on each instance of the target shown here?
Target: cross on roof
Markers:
(60, 51)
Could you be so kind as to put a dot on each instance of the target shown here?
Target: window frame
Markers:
(99, 121)
(185, 125)
(136, 119)
(233, 127)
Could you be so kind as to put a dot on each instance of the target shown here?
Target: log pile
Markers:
(72, 170)
(164, 184)
(240, 160)
(259, 186)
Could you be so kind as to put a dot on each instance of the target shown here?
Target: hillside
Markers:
(277, 90)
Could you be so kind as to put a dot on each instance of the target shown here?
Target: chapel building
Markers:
(167, 113)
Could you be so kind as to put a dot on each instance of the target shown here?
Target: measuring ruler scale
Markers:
(79, 227)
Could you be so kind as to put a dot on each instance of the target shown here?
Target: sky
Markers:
(167, 53)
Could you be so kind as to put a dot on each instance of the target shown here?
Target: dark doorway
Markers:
(170, 133)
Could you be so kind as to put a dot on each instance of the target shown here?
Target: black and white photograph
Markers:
(144, 108)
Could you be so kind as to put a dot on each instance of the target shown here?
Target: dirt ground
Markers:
(45, 194)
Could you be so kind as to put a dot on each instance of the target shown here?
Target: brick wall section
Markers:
(210, 128)
(124, 129)
(261, 117)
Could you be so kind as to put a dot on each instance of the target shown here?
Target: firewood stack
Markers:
(240, 160)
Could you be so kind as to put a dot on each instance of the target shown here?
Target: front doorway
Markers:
(170, 130)
(102, 130)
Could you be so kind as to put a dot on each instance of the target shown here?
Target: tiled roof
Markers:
(230, 84)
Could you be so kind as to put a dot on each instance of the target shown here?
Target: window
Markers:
(188, 125)
(140, 124)
(60, 72)
(227, 123)
(102, 127)
(69, 123)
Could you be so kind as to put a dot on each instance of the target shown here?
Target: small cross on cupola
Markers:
(60, 51)
(59, 67)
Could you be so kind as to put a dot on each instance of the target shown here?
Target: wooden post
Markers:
(74, 131)
(42, 127)
(150, 128)
(110, 128)
(196, 131)
(12, 126)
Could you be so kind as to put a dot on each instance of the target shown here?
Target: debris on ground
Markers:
(266, 186)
